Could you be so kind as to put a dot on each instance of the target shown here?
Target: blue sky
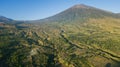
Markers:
(38, 9)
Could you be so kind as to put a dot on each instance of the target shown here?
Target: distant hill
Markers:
(118, 14)
(5, 20)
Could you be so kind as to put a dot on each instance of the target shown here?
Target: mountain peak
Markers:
(80, 6)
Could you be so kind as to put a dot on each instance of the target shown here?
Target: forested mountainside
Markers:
(81, 36)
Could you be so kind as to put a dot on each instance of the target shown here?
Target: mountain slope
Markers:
(79, 12)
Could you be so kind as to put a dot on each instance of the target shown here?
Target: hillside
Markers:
(81, 36)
